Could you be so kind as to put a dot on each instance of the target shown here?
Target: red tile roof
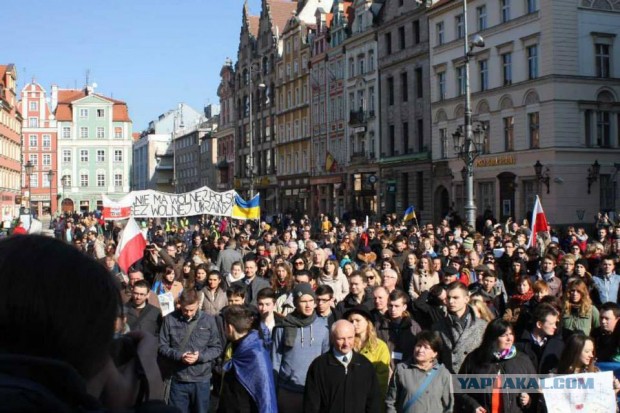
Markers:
(120, 113)
(253, 22)
(281, 12)
(2, 71)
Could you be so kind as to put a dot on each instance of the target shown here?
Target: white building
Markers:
(546, 87)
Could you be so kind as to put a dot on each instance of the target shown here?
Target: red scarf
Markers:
(520, 299)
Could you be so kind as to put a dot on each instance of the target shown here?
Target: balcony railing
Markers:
(360, 117)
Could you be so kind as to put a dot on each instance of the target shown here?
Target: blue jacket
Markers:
(290, 364)
(204, 339)
(607, 288)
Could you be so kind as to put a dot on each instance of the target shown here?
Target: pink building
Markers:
(10, 144)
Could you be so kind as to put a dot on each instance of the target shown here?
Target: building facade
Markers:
(94, 147)
(361, 90)
(11, 182)
(405, 160)
(39, 148)
(545, 88)
(225, 133)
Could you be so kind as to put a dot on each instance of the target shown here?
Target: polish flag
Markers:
(130, 246)
(539, 222)
(113, 210)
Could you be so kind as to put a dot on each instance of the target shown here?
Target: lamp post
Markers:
(468, 144)
(593, 173)
(50, 178)
(250, 107)
(29, 168)
(543, 176)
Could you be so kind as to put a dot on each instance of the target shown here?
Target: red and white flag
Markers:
(539, 222)
(130, 246)
(113, 210)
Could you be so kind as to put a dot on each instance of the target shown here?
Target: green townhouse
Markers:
(94, 148)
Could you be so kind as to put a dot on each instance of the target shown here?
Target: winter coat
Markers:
(149, 319)
(519, 364)
(332, 388)
(576, 322)
(339, 284)
(399, 336)
(406, 380)
(226, 258)
(379, 356)
(458, 342)
(545, 359)
(350, 302)
(421, 282)
(212, 304)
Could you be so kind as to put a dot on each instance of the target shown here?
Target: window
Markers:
(441, 85)
(118, 155)
(66, 132)
(505, 10)
(416, 32)
(532, 62)
(33, 122)
(483, 66)
(404, 85)
(440, 33)
(83, 113)
(443, 139)
(388, 43)
(507, 68)
(420, 133)
(532, 6)
(371, 100)
(100, 132)
(419, 83)
(34, 105)
(84, 132)
(371, 60)
(401, 38)
(406, 145)
(46, 181)
(100, 155)
(481, 13)
(118, 132)
(460, 26)
(66, 155)
(83, 180)
(460, 80)
(486, 196)
(47, 141)
(533, 127)
(68, 181)
(83, 155)
(118, 180)
(351, 68)
(390, 87)
(47, 159)
(603, 129)
(509, 137)
(34, 180)
(33, 141)
(34, 159)
(100, 180)
(602, 59)
(392, 140)
(100, 113)
(362, 70)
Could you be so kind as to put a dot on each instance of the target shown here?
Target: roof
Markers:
(2, 71)
(66, 97)
(281, 11)
(253, 23)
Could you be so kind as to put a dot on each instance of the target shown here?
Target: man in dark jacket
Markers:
(540, 342)
(253, 283)
(340, 380)
(142, 316)
(189, 339)
(359, 294)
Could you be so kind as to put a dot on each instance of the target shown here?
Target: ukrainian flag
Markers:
(409, 214)
(246, 209)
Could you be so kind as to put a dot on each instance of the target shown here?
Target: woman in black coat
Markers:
(497, 356)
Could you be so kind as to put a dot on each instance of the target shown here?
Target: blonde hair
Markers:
(585, 305)
(481, 309)
(372, 341)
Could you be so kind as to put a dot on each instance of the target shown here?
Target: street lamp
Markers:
(543, 176)
(29, 168)
(593, 173)
(50, 179)
(251, 155)
(469, 144)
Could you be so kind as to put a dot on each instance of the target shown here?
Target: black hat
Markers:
(450, 271)
(358, 309)
(583, 262)
(302, 289)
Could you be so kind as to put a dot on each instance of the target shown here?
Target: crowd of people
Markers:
(318, 315)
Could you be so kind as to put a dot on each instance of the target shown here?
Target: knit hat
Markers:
(583, 262)
(468, 243)
(387, 252)
(302, 289)
(450, 271)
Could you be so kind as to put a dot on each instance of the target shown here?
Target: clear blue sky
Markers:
(151, 54)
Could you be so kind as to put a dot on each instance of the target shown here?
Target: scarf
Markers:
(231, 280)
(291, 323)
(199, 286)
(520, 299)
(547, 276)
(253, 369)
(505, 354)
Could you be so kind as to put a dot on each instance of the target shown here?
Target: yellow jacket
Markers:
(379, 356)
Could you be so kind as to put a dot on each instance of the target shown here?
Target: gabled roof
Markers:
(2, 71)
(66, 97)
(281, 11)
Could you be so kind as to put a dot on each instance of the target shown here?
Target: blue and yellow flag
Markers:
(409, 214)
(246, 209)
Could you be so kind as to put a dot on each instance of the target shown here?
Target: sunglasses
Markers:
(299, 263)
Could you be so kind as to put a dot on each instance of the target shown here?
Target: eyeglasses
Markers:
(299, 263)
(323, 300)
(371, 278)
